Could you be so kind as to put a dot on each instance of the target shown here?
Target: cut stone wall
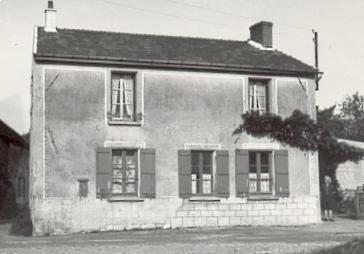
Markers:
(58, 216)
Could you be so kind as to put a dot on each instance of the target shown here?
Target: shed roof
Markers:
(164, 51)
(11, 136)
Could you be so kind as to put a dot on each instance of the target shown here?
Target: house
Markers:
(350, 175)
(135, 131)
(14, 171)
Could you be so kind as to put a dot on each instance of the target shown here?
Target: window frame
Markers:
(138, 108)
(123, 104)
(200, 169)
(124, 183)
(258, 172)
(265, 83)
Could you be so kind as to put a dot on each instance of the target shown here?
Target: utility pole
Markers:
(315, 41)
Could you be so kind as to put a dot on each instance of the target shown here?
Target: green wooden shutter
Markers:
(103, 172)
(242, 172)
(281, 173)
(222, 173)
(184, 173)
(147, 173)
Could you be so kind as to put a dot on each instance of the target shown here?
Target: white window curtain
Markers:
(128, 96)
(116, 99)
(257, 97)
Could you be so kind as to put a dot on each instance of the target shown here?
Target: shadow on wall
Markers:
(8, 206)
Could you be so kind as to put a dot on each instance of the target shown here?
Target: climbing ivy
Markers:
(300, 131)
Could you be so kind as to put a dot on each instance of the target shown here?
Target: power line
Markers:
(187, 18)
(232, 14)
(167, 14)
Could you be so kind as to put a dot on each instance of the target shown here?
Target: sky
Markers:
(339, 24)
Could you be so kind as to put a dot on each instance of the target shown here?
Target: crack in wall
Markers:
(52, 82)
(53, 143)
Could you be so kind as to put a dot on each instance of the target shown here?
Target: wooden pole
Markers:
(315, 41)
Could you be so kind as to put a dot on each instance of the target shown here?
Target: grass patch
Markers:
(355, 246)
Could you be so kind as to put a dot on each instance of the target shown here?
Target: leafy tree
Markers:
(348, 123)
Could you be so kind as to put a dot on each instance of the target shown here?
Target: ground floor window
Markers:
(124, 171)
(260, 165)
(201, 172)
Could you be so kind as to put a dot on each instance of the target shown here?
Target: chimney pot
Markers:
(50, 4)
(262, 33)
(50, 18)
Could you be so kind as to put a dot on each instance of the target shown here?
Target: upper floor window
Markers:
(123, 97)
(258, 95)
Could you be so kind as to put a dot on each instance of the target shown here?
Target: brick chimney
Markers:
(50, 18)
(262, 33)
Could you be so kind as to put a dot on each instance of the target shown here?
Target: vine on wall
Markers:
(300, 131)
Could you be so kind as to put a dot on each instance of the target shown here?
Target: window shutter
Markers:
(222, 173)
(184, 173)
(147, 173)
(281, 173)
(103, 171)
(242, 171)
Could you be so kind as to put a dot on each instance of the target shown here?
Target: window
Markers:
(258, 96)
(203, 173)
(123, 97)
(260, 172)
(201, 166)
(124, 172)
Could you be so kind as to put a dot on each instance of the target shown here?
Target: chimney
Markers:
(50, 18)
(262, 33)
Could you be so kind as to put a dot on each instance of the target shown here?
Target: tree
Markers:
(348, 123)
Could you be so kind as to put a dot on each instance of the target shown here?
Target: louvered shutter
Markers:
(147, 173)
(184, 173)
(222, 173)
(242, 172)
(103, 171)
(281, 173)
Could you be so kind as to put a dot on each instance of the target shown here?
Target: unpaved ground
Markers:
(214, 240)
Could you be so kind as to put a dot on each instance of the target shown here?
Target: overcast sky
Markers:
(340, 24)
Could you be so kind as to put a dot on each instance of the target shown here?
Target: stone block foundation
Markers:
(59, 216)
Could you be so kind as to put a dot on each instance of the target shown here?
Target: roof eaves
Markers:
(187, 64)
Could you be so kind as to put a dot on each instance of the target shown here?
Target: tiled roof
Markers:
(165, 51)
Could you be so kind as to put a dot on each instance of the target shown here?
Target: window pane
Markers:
(207, 170)
(130, 188)
(117, 188)
(264, 158)
(206, 158)
(195, 158)
(131, 159)
(265, 182)
(252, 162)
(252, 158)
(253, 186)
(207, 187)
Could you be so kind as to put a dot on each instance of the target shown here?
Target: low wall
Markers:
(58, 216)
